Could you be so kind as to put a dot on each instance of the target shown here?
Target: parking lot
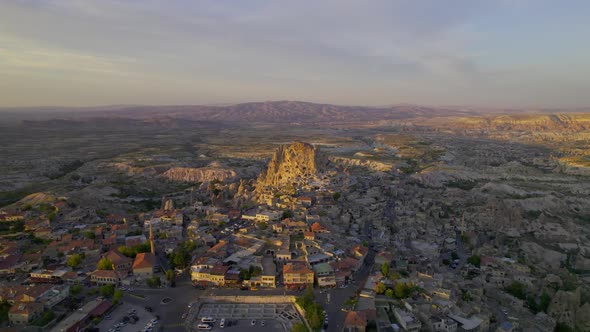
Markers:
(120, 313)
(276, 316)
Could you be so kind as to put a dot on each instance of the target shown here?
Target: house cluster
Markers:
(445, 298)
(29, 302)
(263, 247)
(125, 270)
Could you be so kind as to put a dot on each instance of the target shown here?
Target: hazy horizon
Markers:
(500, 54)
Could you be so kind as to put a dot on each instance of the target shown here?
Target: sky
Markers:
(493, 53)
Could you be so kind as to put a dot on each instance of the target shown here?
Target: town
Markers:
(194, 264)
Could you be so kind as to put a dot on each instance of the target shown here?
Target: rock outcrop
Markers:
(203, 174)
(292, 164)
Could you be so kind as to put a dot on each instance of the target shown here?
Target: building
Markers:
(355, 321)
(407, 320)
(47, 276)
(209, 275)
(83, 316)
(468, 324)
(32, 293)
(120, 262)
(144, 265)
(360, 252)
(297, 275)
(24, 312)
(105, 277)
(505, 327)
(269, 271)
(55, 295)
(284, 254)
(442, 324)
(324, 274)
(10, 217)
(295, 226)
(217, 275)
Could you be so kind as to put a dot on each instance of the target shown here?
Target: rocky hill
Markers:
(558, 122)
(272, 112)
(293, 163)
(203, 174)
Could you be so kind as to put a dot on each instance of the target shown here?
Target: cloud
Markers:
(409, 51)
(31, 57)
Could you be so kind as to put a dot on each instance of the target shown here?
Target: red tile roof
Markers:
(355, 319)
(299, 268)
(144, 260)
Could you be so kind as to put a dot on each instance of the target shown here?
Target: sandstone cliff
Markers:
(203, 174)
(296, 163)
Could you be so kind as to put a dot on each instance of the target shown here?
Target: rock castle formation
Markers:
(292, 165)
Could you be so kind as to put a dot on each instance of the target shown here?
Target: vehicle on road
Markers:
(208, 320)
(262, 323)
(253, 322)
(222, 323)
(204, 326)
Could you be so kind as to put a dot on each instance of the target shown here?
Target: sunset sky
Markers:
(516, 53)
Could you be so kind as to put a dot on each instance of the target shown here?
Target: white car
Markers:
(222, 323)
(253, 322)
(204, 326)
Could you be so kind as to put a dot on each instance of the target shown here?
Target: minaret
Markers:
(462, 224)
(152, 250)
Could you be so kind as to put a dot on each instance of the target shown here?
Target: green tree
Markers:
(90, 235)
(107, 290)
(299, 327)
(104, 264)
(465, 296)
(380, 288)
(154, 282)
(389, 293)
(74, 260)
(117, 295)
(563, 327)
(134, 250)
(314, 314)
(76, 289)
(474, 260)
(245, 274)
(255, 271)
(385, 269)
(287, 214)
(516, 289)
(47, 317)
(403, 290)
(180, 258)
(545, 301)
(169, 275)
(336, 196)
(4, 308)
(189, 245)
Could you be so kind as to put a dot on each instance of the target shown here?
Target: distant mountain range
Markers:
(274, 112)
